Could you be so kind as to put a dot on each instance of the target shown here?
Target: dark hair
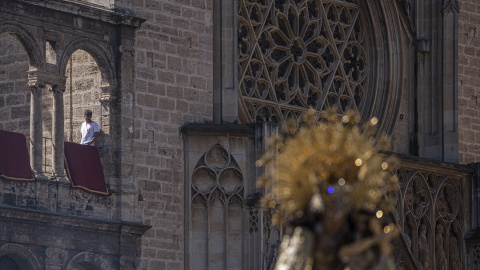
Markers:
(87, 112)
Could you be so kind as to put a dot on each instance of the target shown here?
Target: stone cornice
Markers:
(36, 77)
(116, 15)
(32, 216)
(198, 128)
(434, 166)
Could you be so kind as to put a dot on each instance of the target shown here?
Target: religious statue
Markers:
(424, 248)
(328, 183)
(455, 257)
(441, 258)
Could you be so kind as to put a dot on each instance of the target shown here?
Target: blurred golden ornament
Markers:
(324, 176)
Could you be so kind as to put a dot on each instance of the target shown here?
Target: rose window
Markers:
(300, 54)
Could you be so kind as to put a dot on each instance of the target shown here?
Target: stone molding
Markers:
(87, 224)
(192, 128)
(102, 243)
(38, 78)
(26, 258)
(90, 259)
(116, 15)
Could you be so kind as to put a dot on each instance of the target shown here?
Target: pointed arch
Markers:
(216, 210)
(448, 203)
(417, 198)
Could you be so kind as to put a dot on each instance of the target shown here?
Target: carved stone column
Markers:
(225, 69)
(36, 143)
(121, 129)
(36, 81)
(58, 132)
(105, 122)
(450, 80)
(105, 100)
(437, 38)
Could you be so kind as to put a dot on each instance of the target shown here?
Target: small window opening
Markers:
(51, 52)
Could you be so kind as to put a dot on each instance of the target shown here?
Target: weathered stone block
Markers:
(6, 88)
(20, 112)
(15, 100)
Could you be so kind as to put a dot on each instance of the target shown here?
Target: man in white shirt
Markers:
(90, 129)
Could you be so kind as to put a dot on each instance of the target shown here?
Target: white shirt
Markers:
(88, 130)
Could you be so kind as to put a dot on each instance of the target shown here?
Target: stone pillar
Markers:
(475, 196)
(472, 237)
(450, 80)
(36, 142)
(122, 129)
(437, 108)
(37, 80)
(105, 101)
(58, 132)
(105, 141)
(225, 69)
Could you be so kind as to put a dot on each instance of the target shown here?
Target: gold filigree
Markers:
(330, 178)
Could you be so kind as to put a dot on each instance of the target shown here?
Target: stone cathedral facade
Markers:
(187, 93)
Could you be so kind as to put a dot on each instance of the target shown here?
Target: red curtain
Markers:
(84, 168)
(14, 159)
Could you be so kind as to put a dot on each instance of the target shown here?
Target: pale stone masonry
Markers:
(14, 95)
(187, 92)
(173, 86)
(469, 81)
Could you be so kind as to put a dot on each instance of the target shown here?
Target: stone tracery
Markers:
(432, 211)
(217, 189)
(294, 55)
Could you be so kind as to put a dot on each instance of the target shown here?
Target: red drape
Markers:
(14, 159)
(84, 168)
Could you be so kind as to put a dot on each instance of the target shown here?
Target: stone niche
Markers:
(216, 169)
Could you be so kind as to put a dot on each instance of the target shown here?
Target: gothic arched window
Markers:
(297, 54)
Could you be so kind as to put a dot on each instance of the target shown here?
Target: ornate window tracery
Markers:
(217, 189)
(431, 216)
(297, 54)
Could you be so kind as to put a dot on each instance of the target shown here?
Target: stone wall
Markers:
(173, 86)
(469, 81)
(51, 32)
(52, 226)
(56, 197)
(14, 95)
